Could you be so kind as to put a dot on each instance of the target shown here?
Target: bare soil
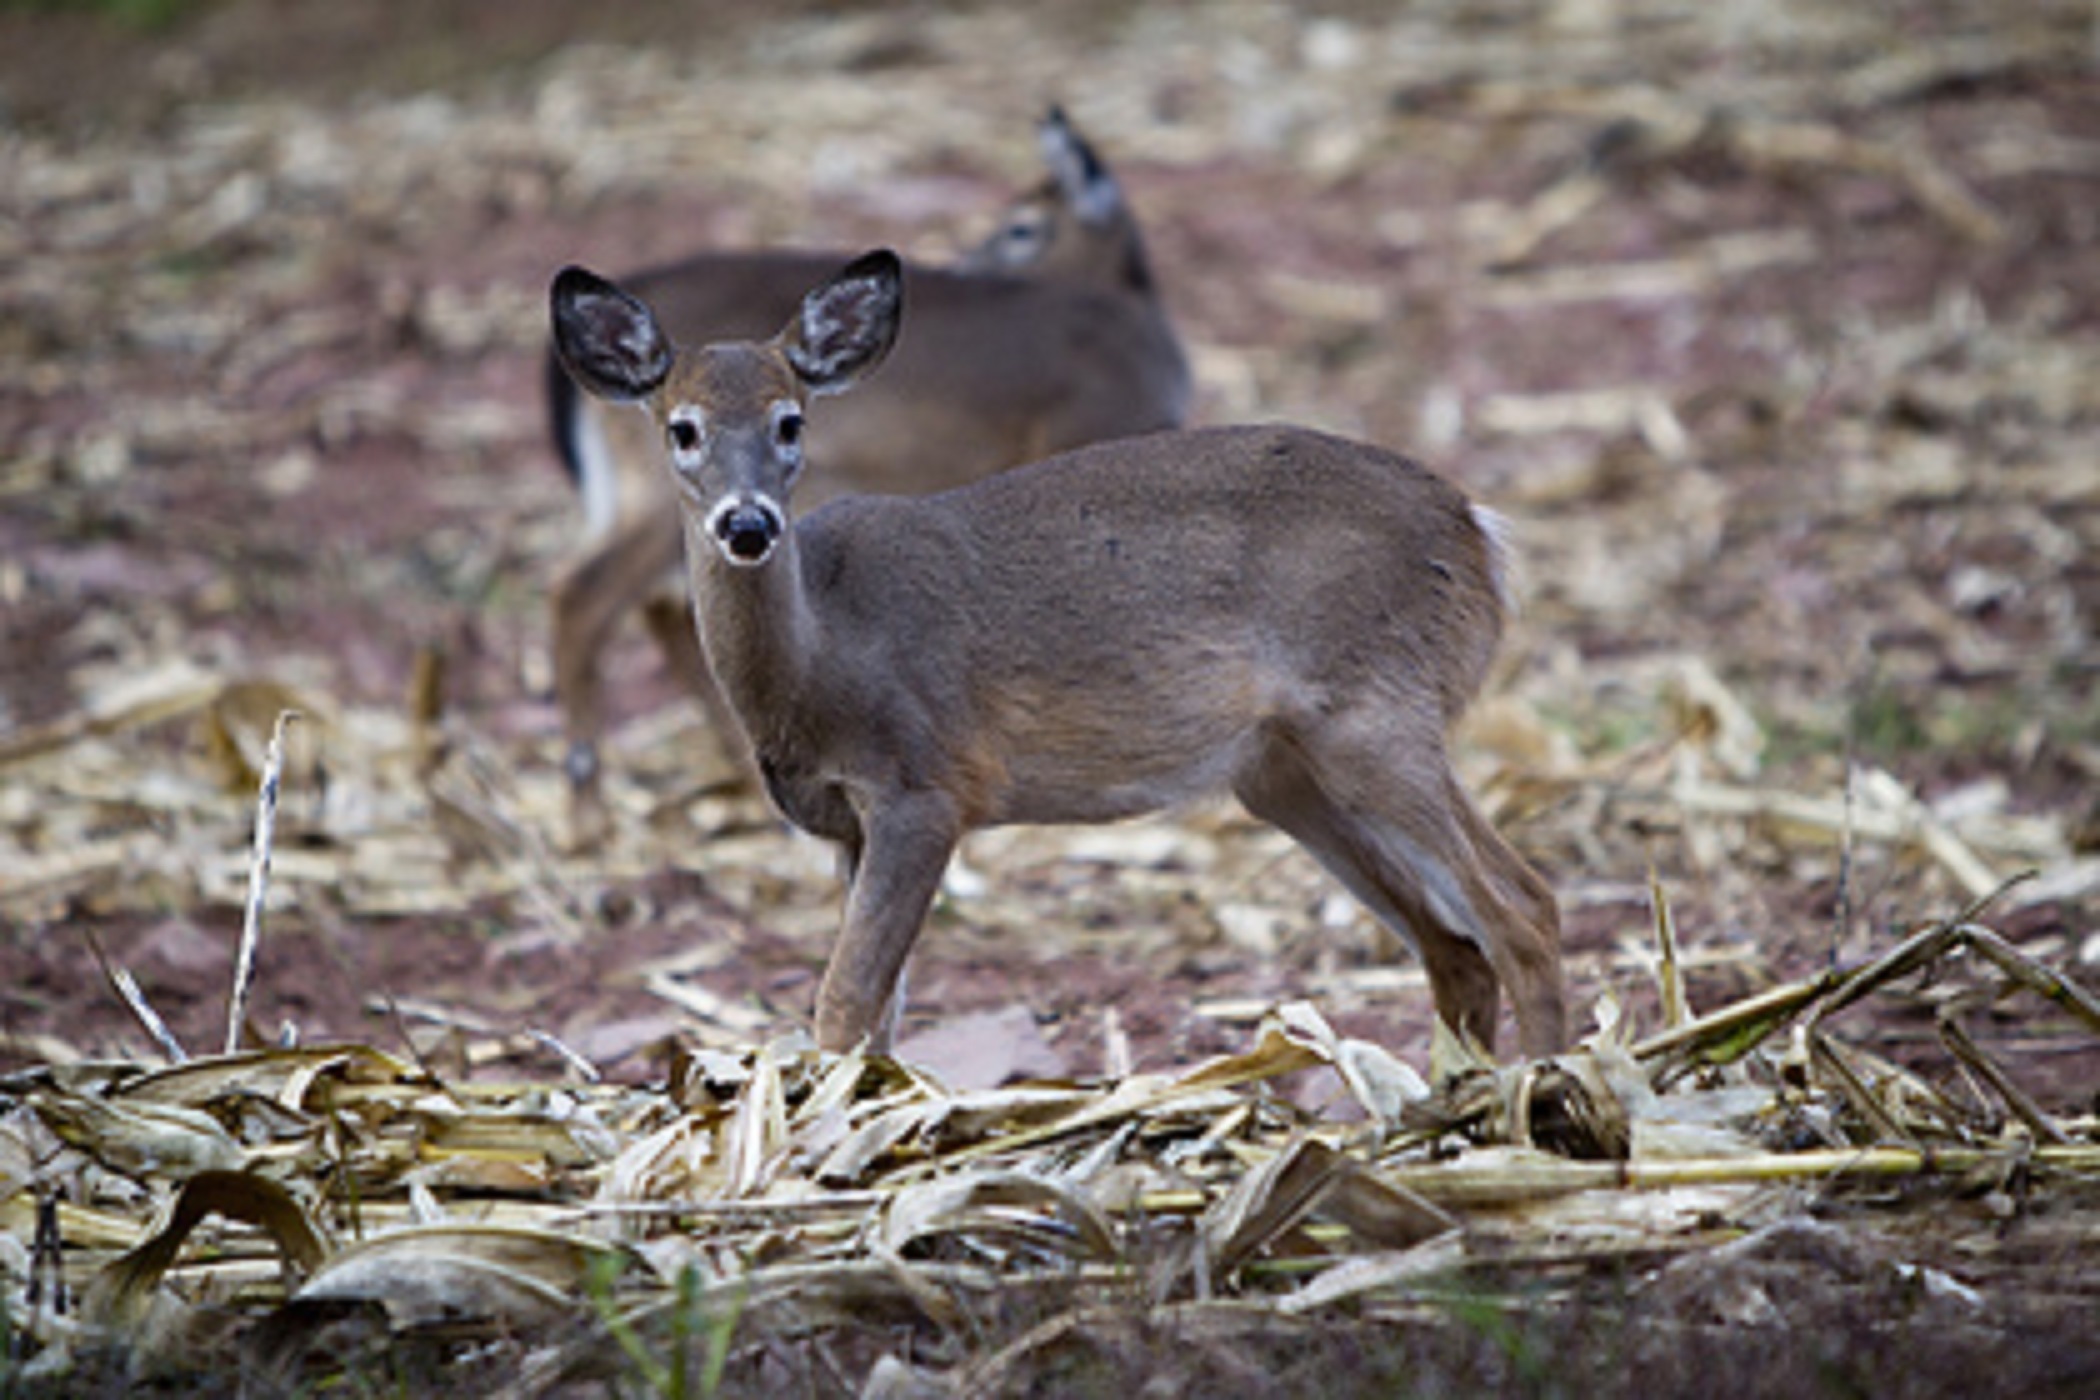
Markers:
(289, 428)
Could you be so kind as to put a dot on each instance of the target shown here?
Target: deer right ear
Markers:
(845, 327)
(1089, 190)
(608, 340)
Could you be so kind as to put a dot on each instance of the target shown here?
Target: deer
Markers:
(1268, 610)
(1049, 333)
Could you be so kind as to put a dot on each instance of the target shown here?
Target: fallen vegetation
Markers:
(316, 1216)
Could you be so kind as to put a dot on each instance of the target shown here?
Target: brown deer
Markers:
(1288, 615)
(1047, 335)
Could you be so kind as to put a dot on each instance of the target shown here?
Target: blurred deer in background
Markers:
(1291, 616)
(1048, 335)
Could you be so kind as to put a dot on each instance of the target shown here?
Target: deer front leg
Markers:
(906, 846)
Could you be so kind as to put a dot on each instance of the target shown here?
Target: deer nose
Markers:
(748, 530)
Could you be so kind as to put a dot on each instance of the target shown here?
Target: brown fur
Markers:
(1016, 352)
(1271, 611)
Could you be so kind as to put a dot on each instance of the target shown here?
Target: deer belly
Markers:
(1090, 759)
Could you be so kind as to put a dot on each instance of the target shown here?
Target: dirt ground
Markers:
(1796, 404)
(1772, 328)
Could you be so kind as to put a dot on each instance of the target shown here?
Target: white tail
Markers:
(1291, 616)
(1047, 335)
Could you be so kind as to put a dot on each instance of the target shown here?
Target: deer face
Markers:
(732, 422)
(731, 414)
(1074, 227)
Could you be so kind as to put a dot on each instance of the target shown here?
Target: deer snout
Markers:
(747, 530)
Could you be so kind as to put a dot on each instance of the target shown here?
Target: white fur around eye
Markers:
(788, 427)
(685, 429)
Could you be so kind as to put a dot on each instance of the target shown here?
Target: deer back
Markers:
(1116, 629)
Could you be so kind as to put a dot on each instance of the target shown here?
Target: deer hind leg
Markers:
(669, 616)
(617, 573)
(1527, 954)
(1391, 823)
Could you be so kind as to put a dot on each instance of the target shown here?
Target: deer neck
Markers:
(757, 627)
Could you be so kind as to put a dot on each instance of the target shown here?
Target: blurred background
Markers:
(1771, 325)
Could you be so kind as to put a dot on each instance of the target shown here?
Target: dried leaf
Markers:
(145, 1139)
(1267, 1201)
(1000, 1207)
(119, 1292)
(511, 1276)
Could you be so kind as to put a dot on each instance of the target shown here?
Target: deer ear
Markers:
(609, 340)
(1090, 191)
(845, 327)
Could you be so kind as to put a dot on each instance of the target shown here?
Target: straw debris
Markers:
(828, 1194)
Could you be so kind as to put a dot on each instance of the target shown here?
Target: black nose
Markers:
(748, 532)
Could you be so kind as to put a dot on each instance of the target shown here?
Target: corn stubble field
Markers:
(1772, 328)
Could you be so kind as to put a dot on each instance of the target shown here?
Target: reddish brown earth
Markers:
(1884, 525)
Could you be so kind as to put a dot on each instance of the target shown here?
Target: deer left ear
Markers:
(608, 339)
(846, 327)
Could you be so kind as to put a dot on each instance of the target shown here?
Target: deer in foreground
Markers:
(1047, 335)
(1288, 615)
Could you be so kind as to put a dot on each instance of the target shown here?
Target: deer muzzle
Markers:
(746, 530)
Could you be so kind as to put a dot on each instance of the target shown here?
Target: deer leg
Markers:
(1527, 953)
(591, 595)
(905, 847)
(669, 617)
(1402, 838)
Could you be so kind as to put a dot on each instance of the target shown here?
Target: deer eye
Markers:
(685, 434)
(1024, 237)
(788, 429)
